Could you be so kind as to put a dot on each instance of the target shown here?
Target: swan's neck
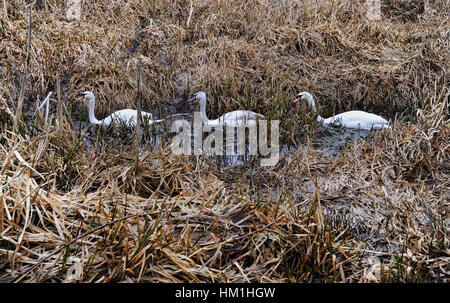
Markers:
(203, 110)
(92, 118)
(311, 103)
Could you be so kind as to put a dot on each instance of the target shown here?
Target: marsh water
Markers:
(332, 140)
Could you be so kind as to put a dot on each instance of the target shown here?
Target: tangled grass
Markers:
(75, 205)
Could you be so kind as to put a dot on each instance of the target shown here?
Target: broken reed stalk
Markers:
(45, 101)
(24, 76)
(58, 106)
(138, 116)
(2, 213)
(47, 109)
(191, 10)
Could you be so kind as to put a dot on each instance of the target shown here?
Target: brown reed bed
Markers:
(73, 207)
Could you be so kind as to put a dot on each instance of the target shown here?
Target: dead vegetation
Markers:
(403, 10)
(73, 208)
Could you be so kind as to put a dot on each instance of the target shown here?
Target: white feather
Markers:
(127, 116)
(233, 119)
(351, 119)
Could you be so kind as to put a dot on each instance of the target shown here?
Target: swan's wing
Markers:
(241, 115)
(357, 119)
(147, 115)
(107, 121)
(129, 116)
(115, 117)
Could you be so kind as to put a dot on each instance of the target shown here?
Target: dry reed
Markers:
(72, 207)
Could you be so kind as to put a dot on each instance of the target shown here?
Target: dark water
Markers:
(155, 137)
(333, 140)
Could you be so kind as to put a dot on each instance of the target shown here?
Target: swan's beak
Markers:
(296, 99)
(80, 96)
(192, 99)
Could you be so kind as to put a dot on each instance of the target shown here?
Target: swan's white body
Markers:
(127, 116)
(351, 119)
(356, 119)
(232, 119)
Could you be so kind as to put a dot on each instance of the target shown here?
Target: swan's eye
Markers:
(194, 97)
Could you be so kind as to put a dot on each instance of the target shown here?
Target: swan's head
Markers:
(87, 95)
(302, 96)
(305, 96)
(198, 96)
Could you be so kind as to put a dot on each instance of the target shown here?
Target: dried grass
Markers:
(73, 207)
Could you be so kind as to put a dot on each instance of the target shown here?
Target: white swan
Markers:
(233, 119)
(351, 119)
(127, 116)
